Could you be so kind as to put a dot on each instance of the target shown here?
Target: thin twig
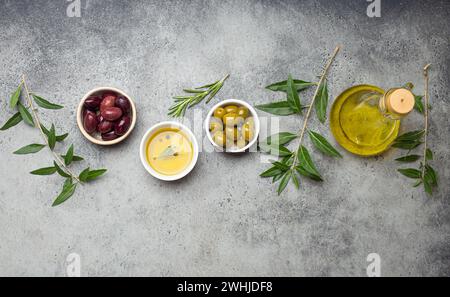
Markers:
(308, 113)
(426, 78)
(37, 123)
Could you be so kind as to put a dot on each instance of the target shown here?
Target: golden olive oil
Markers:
(365, 119)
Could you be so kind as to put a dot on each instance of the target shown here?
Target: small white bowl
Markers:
(239, 103)
(143, 150)
(98, 140)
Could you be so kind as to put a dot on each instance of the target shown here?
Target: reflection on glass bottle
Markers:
(365, 120)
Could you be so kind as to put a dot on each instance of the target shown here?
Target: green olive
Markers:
(229, 119)
(231, 109)
(250, 121)
(248, 131)
(231, 133)
(243, 112)
(238, 120)
(219, 138)
(215, 125)
(241, 142)
(219, 112)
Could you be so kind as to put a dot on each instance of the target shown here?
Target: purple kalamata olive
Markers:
(105, 126)
(87, 111)
(111, 113)
(109, 136)
(122, 126)
(100, 118)
(108, 101)
(123, 103)
(92, 103)
(90, 122)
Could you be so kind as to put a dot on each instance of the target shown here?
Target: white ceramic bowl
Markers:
(97, 138)
(150, 133)
(239, 103)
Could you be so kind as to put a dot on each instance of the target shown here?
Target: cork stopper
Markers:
(400, 101)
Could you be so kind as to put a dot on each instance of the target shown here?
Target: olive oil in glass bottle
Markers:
(365, 119)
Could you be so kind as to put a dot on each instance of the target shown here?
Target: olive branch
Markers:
(298, 162)
(61, 163)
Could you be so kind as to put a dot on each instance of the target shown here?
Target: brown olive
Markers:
(248, 131)
(231, 109)
(105, 126)
(122, 126)
(123, 103)
(90, 122)
(219, 112)
(92, 103)
(108, 101)
(219, 138)
(229, 119)
(109, 136)
(242, 112)
(111, 113)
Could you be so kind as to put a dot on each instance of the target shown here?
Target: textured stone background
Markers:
(222, 219)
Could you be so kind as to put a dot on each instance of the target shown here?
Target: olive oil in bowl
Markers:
(365, 119)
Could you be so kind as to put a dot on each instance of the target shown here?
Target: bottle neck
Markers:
(385, 106)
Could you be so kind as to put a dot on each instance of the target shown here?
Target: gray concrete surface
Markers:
(222, 220)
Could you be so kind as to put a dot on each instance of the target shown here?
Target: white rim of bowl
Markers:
(252, 112)
(80, 116)
(143, 150)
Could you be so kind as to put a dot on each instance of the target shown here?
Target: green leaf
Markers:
(275, 149)
(280, 138)
(271, 172)
(277, 177)
(44, 171)
(429, 154)
(68, 158)
(67, 192)
(59, 138)
(93, 174)
(306, 163)
(418, 105)
(295, 180)
(409, 145)
(60, 171)
(14, 120)
(292, 95)
(29, 149)
(52, 137)
(302, 171)
(427, 187)
(281, 108)
(282, 85)
(321, 102)
(430, 175)
(323, 145)
(15, 97)
(410, 172)
(282, 166)
(68, 182)
(284, 181)
(417, 183)
(84, 175)
(45, 104)
(408, 158)
(75, 158)
(26, 116)
(410, 136)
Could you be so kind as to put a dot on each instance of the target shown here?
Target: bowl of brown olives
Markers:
(232, 126)
(106, 116)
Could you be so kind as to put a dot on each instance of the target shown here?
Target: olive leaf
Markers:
(93, 174)
(44, 103)
(321, 102)
(409, 140)
(15, 97)
(44, 171)
(286, 177)
(271, 172)
(283, 87)
(75, 158)
(26, 116)
(281, 108)
(66, 193)
(292, 95)
(68, 158)
(410, 172)
(84, 175)
(52, 137)
(60, 171)
(306, 163)
(323, 145)
(408, 158)
(418, 104)
(30, 149)
(59, 138)
(275, 149)
(295, 180)
(280, 138)
(431, 175)
(429, 154)
(14, 120)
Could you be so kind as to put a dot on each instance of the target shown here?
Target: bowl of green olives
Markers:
(232, 126)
